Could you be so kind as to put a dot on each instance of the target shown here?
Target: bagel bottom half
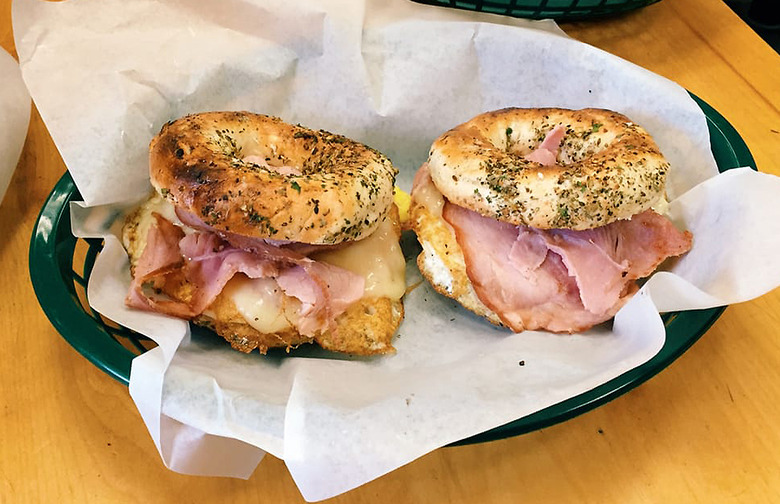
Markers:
(441, 261)
(366, 327)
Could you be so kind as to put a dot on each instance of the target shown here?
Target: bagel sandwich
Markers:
(543, 219)
(269, 234)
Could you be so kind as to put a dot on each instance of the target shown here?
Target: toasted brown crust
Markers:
(338, 189)
(608, 168)
(365, 328)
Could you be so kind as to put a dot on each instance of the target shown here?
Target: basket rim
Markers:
(575, 10)
(56, 294)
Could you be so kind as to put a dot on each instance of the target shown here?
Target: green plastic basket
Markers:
(560, 10)
(60, 265)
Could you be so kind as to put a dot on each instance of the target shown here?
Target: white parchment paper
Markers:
(394, 75)
(14, 117)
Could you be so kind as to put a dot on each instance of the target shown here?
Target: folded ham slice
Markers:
(560, 280)
(260, 245)
(546, 153)
(161, 258)
(208, 262)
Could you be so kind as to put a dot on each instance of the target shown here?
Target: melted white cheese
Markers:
(661, 206)
(377, 258)
(262, 303)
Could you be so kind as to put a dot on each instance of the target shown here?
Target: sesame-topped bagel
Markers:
(258, 176)
(607, 168)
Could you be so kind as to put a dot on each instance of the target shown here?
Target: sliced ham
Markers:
(162, 242)
(259, 245)
(531, 291)
(208, 262)
(325, 292)
(547, 151)
(527, 252)
(561, 280)
(586, 255)
(646, 240)
(161, 257)
(605, 259)
(211, 263)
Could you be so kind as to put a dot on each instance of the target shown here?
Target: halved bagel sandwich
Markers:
(270, 234)
(543, 219)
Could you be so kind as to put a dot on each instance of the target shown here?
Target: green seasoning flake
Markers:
(164, 191)
(596, 127)
(295, 186)
(508, 131)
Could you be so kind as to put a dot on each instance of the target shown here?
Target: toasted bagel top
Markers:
(607, 168)
(258, 176)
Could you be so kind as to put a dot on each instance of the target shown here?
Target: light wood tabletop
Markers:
(706, 429)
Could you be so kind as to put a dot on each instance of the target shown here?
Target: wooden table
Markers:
(706, 429)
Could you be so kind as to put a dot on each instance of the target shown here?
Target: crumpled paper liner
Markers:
(394, 75)
(15, 114)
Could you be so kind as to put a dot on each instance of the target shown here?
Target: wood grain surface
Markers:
(706, 429)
